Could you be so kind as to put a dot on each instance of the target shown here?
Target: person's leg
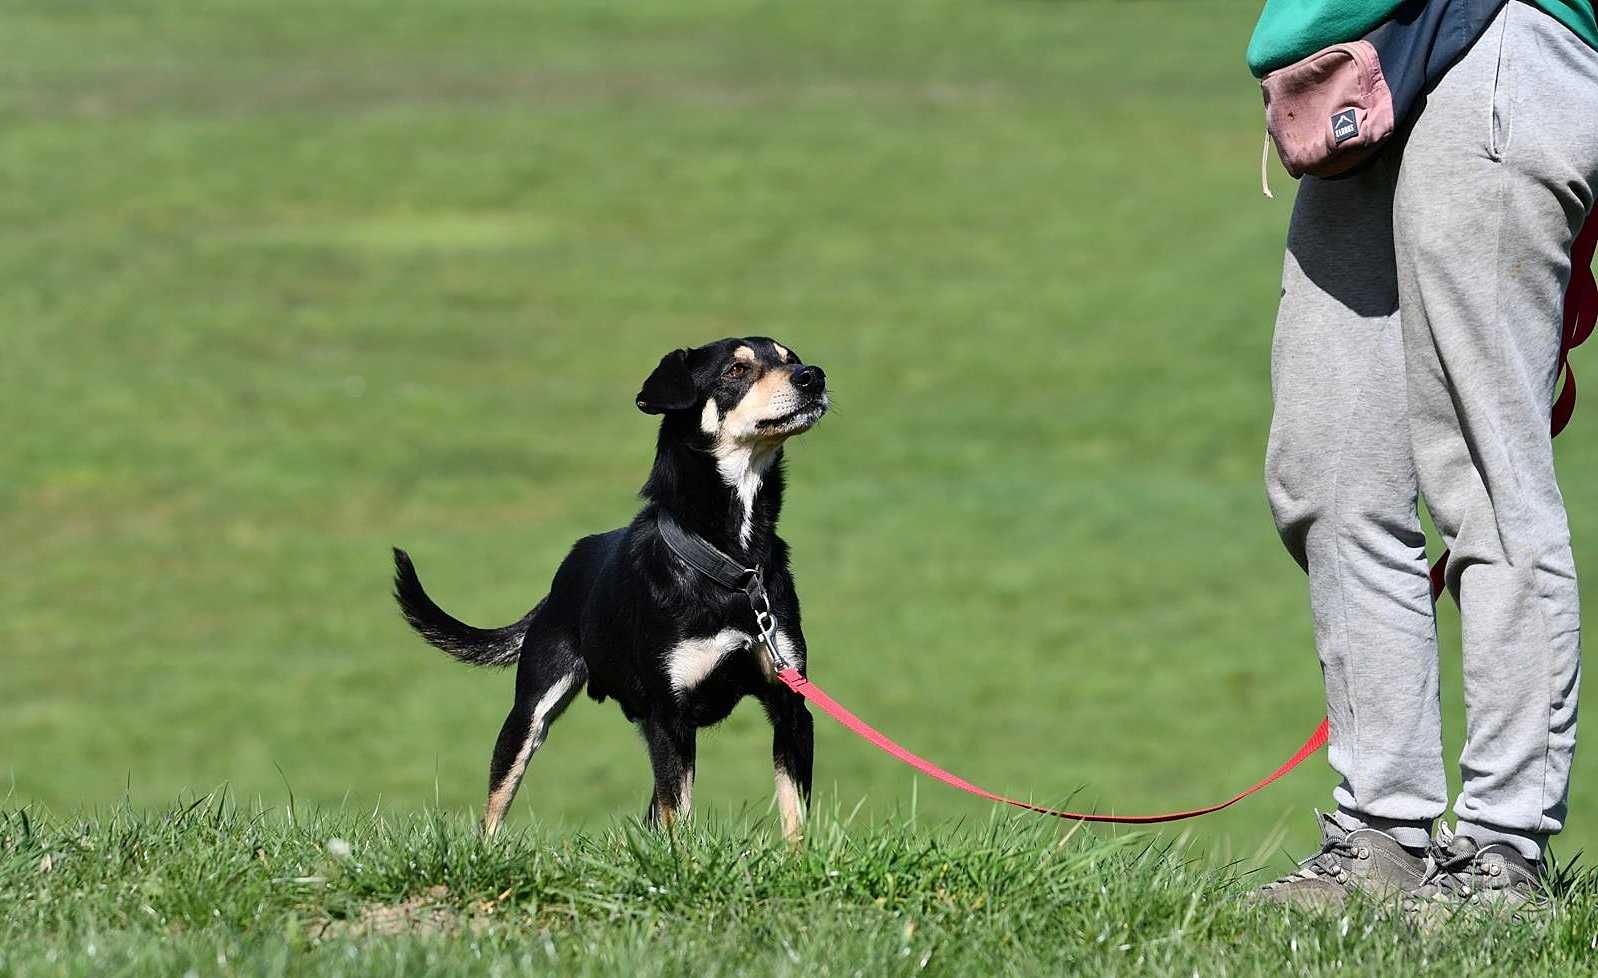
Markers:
(1342, 486)
(1496, 178)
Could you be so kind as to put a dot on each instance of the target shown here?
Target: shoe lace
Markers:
(1331, 861)
(1454, 870)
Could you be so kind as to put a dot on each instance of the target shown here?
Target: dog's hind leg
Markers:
(545, 685)
(672, 747)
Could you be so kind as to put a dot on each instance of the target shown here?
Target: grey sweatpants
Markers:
(1415, 354)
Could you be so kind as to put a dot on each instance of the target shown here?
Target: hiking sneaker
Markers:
(1494, 875)
(1365, 860)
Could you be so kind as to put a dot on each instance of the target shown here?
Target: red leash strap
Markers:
(817, 696)
(1581, 314)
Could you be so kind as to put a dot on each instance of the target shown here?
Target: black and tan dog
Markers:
(628, 618)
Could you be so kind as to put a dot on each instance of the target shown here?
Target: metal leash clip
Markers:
(765, 621)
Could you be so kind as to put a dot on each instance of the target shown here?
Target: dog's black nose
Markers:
(810, 380)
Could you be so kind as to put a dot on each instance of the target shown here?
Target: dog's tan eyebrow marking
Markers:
(743, 353)
(782, 351)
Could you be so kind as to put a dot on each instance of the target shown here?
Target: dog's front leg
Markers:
(672, 745)
(792, 756)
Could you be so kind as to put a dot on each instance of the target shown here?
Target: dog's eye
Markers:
(736, 370)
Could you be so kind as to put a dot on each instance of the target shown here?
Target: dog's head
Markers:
(741, 391)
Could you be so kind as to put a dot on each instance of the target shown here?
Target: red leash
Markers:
(839, 712)
(1581, 314)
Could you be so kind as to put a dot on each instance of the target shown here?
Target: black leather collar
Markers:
(695, 551)
(702, 556)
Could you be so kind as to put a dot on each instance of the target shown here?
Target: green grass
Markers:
(284, 284)
(206, 888)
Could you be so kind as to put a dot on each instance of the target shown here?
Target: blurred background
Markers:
(285, 283)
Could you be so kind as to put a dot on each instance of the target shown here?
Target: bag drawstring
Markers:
(1265, 162)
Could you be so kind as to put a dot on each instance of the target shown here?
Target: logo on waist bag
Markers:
(1345, 126)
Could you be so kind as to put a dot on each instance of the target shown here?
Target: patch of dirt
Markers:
(423, 913)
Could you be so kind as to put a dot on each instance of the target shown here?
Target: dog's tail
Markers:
(473, 646)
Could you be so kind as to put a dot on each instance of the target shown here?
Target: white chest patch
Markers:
(691, 661)
(742, 469)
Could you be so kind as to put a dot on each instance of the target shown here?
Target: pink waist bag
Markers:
(1330, 112)
(1336, 109)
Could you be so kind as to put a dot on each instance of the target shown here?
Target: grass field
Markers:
(284, 284)
(204, 888)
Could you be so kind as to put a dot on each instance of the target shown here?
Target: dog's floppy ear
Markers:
(670, 387)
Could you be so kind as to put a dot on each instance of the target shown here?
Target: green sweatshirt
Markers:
(1289, 30)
